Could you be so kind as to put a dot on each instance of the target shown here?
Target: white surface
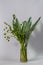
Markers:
(23, 9)
(15, 62)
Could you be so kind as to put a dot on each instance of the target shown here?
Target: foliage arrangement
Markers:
(21, 32)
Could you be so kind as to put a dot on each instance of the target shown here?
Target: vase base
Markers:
(23, 60)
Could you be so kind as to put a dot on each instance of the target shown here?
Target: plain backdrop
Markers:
(23, 10)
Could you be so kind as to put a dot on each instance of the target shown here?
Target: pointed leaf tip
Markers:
(14, 16)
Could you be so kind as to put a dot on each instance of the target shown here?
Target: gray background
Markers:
(23, 10)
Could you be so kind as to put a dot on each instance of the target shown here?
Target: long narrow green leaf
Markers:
(34, 25)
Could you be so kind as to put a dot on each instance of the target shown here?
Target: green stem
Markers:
(23, 54)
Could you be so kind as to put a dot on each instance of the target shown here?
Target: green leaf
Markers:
(24, 27)
(29, 19)
(34, 25)
(14, 16)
